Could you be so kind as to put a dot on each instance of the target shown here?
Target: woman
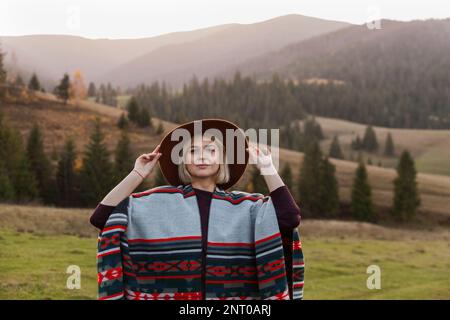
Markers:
(204, 171)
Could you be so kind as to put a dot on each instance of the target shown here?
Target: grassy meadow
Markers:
(38, 244)
(430, 148)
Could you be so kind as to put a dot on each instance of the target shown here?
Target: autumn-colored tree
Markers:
(77, 89)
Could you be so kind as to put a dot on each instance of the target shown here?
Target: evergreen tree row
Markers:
(318, 191)
(275, 102)
(27, 174)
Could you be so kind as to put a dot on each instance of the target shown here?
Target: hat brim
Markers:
(170, 169)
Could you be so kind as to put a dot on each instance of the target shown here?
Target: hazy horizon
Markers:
(134, 19)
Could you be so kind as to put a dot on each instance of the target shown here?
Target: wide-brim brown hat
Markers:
(170, 169)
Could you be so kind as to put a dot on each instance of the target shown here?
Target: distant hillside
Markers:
(430, 148)
(177, 63)
(396, 76)
(52, 55)
(172, 57)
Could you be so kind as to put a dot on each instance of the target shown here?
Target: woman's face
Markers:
(203, 160)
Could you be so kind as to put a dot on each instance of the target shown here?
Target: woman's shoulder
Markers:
(246, 193)
(163, 189)
(239, 195)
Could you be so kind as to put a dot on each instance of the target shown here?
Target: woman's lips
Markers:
(202, 166)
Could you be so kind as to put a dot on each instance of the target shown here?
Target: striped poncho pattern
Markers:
(150, 249)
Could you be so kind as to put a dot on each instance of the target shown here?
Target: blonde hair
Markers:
(223, 174)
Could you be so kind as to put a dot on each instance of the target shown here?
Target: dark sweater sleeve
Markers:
(288, 212)
(100, 215)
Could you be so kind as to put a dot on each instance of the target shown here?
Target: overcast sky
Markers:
(143, 18)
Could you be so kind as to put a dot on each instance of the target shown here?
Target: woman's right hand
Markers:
(146, 162)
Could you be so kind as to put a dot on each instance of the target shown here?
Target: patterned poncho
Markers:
(150, 249)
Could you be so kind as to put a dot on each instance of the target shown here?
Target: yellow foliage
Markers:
(77, 90)
(78, 163)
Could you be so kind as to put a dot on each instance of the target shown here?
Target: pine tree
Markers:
(308, 195)
(3, 73)
(370, 142)
(92, 92)
(290, 136)
(40, 165)
(318, 187)
(286, 175)
(62, 91)
(96, 176)
(144, 119)
(66, 176)
(389, 146)
(8, 157)
(122, 123)
(133, 110)
(160, 128)
(312, 129)
(25, 183)
(19, 81)
(361, 201)
(124, 160)
(356, 144)
(328, 191)
(335, 149)
(34, 83)
(406, 195)
(15, 164)
(258, 184)
(6, 187)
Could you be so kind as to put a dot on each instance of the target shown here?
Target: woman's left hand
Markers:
(262, 158)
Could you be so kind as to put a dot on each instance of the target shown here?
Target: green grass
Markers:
(411, 269)
(433, 161)
(123, 100)
(34, 267)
